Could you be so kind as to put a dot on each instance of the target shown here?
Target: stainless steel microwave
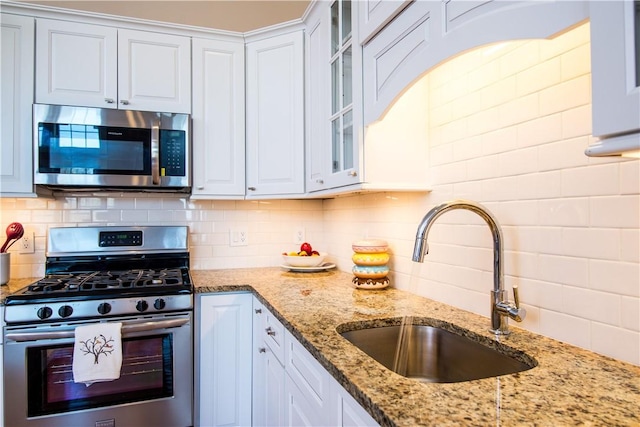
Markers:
(80, 148)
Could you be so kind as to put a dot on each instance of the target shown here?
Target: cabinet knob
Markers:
(319, 181)
(270, 331)
(124, 102)
(200, 187)
(251, 188)
(109, 100)
(262, 350)
(352, 173)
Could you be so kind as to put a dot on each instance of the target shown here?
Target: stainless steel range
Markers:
(136, 276)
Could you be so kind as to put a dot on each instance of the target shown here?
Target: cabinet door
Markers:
(615, 73)
(218, 119)
(275, 128)
(348, 411)
(334, 96)
(316, 97)
(76, 64)
(16, 77)
(224, 385)
(154, 72)
(268, 374)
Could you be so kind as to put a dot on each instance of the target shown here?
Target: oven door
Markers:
(154, 388)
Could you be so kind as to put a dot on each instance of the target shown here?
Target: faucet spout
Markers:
(499, 307)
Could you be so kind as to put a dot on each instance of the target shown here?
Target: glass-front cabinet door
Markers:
(341, 87)
(334, 115)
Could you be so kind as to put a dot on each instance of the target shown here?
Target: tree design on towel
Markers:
(97, 346)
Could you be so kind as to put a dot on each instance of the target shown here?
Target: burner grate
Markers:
(101, 280)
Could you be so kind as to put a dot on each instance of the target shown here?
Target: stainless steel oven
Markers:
(136, 276)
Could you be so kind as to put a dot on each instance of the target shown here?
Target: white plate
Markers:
(325, 266)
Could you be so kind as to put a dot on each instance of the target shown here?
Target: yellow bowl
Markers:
(370, 259)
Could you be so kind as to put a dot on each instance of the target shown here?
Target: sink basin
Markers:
(433, 354)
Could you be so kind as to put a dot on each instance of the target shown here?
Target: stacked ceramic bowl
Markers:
(370, 258)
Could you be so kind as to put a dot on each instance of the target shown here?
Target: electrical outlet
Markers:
(238, 236)
(298, 236)
(26, 245)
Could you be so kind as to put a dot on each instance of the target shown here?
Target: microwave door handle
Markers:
(155, 152)
(126, 329)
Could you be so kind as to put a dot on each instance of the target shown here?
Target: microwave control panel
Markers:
(173, 154)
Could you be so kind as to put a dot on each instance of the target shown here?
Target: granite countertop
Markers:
(569, 386)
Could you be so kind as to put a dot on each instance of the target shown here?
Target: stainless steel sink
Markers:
(433, 354)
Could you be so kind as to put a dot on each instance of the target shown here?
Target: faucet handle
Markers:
(516, 297)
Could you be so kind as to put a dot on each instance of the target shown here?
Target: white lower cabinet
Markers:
(290, 387)
(223, 365)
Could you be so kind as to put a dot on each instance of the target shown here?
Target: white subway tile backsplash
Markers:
(615, 277)
(630, 245)
(615, 211)
(566, 328)
(591, 243)
(538, 77)
(569, 94)
(602, 180)
(563, 270)
(630, 177)
(539, 130)
(569, 212)
(630, 313)
(616, 342)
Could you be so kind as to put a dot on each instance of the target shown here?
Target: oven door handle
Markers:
(126, 330)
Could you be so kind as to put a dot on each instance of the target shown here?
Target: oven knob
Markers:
(142, 305)
(104, 308)
(44, 312)
(65, 311)
(159, 304)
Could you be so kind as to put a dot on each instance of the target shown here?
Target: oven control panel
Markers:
(73, 310)
(120, 238)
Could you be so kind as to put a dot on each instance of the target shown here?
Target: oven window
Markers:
(93, 150)
(146, 374)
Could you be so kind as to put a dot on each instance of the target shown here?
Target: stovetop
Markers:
(107, 271)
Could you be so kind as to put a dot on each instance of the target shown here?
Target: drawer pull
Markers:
(270, 331)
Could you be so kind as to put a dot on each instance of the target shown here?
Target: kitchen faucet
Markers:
(500, 308)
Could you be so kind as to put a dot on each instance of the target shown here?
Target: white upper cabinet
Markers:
(101, 66)
(76, 64)
(615, 73)
(16, 77)
(154, 71)
(275, 116)
(218, 125)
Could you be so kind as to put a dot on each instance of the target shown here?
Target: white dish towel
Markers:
(97, 353)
